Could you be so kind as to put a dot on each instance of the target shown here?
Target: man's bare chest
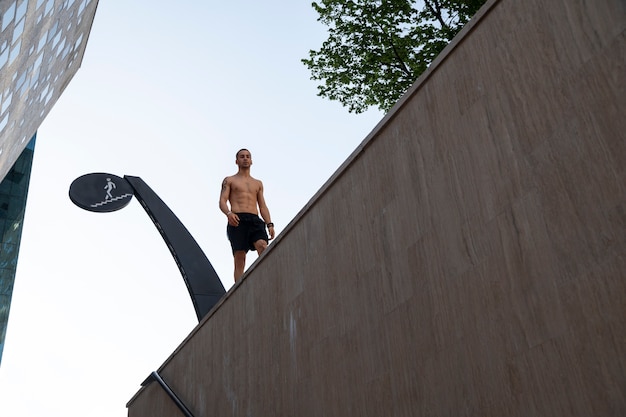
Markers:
(245, 187)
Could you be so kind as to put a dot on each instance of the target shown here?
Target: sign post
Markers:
(103, 193)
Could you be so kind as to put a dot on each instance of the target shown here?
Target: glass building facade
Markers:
(13, 192)
(42, 44)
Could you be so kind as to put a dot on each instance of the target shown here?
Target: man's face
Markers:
(244, 159)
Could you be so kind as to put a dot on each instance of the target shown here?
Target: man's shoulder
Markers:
(232, 178)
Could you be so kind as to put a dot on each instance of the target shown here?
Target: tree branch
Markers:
(400, 62)
(435, 9)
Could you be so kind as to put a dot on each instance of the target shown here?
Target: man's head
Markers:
(242, 150)
(243, 158)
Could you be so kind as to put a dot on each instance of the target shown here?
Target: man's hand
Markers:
(270, 228)
(233, 219)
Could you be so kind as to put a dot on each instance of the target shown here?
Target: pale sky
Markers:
(167, 91)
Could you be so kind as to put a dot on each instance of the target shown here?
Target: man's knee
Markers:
(260, 245)
(240, 257)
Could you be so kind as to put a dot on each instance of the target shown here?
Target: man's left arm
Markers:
(265, 212)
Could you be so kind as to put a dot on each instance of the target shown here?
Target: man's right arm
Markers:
(233, 219)
(224, 194)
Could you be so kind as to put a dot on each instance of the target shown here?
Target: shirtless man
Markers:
(245, 230)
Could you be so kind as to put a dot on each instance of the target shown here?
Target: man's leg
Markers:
(240, 263)
(260, 245)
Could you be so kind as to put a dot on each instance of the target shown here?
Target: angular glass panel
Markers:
(6, 102)
(43, 93)
(49, 96)
(8, 16)
(15, 51)
(78, 41)
(49, 6)
(61, 45)
(21, 10)
(37, 62)
(4, 122)
(21, 79)
(56, 39)
(4, 57)
(25, 86)
(42, 42)
(53, 30)
(19, 29)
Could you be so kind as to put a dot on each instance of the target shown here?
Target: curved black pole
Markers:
(202, 281)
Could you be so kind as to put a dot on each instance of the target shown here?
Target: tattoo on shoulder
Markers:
(224, 184)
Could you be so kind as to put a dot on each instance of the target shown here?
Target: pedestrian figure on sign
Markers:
(109, 187)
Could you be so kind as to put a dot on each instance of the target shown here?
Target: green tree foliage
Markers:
(376, 49)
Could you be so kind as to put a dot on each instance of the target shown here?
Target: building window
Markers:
(19, 29)
(15, 51)
(4, 122)
(21, 10)
(8, 16)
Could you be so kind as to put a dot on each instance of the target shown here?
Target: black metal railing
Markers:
(156, 377)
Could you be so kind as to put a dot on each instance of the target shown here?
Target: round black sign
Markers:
(101, 192)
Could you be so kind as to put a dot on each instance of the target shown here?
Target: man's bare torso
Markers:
(243, 193)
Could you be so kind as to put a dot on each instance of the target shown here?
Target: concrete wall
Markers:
(469, 259)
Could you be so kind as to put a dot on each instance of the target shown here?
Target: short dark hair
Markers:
(242, 149)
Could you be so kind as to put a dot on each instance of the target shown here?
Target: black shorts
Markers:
(251, 228)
